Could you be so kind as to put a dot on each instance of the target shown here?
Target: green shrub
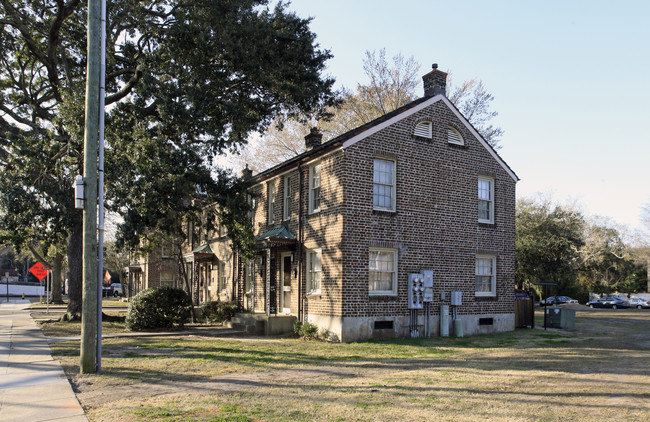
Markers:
(219, 311)
(305, 330)
(158, 307)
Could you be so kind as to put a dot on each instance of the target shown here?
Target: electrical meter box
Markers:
(427, 295)
(416, 291)
(456, 298)
(420, 289)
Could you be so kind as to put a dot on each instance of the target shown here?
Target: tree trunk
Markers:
(75, 266)
(57, 276)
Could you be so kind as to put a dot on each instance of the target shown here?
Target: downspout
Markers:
(300, 240)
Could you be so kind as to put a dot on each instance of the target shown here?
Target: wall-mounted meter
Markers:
(420, 289)
(456, 298)
(427, 295)
(416, 291)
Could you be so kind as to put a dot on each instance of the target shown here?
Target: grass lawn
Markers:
(599, 371)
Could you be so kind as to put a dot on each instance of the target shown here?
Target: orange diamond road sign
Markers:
(39, 271)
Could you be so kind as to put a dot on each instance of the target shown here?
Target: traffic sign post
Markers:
(39, 271)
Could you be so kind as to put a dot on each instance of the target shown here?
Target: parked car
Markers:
(115, 290)
(557, 300)
(639, 303)
(608, 302)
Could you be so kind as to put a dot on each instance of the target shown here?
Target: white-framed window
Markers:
(271, 191)
(286, 210)
(424, 130)
(252, 203)
(167, 278)
(314, 271)
(314, 188)
(248, 280)
(485, 200)
(166, 250)
(454, 136)
(383, 184)
(486, 275)
(382, 271)
(222, 277)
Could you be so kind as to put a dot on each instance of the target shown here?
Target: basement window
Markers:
(486, 321)
(383, 325)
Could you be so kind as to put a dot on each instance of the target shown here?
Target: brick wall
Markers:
(435, 225)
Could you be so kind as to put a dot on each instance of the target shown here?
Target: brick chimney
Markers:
(246, 173)
(435, 82)
(314, 139)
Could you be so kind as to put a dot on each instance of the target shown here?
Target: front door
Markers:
(285, 296)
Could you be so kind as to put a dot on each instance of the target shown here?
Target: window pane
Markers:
(484, 189)
(383, 183)
(483, 284)
(381, 273)
(484, 210)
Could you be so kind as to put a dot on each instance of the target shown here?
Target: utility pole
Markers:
(88, 362)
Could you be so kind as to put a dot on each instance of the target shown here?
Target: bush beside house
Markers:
(158, 307)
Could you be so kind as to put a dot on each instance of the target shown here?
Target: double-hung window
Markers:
(314, 271)
(271, 190)
(383, 185)
(222, 277)
(314, 188)
(248, 281)
(382, 271)
(486, 200)
(486, 275)
(286, 211)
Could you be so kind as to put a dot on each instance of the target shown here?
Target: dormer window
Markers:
(454, 137)
(423, 130)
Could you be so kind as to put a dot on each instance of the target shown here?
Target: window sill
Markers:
(384, 296)
(485, 297)
(486, 223)
(313, 295)
(383, 211)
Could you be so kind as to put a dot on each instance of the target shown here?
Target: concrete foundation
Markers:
(347, 329)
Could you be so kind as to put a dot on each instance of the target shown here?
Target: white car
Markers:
(639, 303)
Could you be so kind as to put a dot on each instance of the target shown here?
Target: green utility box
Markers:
(560, 318)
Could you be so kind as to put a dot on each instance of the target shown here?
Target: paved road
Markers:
(33, 386)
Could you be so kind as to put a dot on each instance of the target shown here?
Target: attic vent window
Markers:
(423, 129)
(453, 136)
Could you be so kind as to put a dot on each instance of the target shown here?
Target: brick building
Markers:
(340, 227)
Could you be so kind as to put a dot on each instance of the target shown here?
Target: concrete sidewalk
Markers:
(33, 386)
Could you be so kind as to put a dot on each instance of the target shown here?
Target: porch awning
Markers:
(203, 251)
(134, 267)
(278, 234)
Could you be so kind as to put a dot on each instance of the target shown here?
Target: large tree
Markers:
(390, 84)
(185, 81)
(547, 243)
(607, 262)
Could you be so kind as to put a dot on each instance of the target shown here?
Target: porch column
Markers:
(267, 282)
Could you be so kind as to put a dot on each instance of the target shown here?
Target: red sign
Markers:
(107, 277)
(39, 271)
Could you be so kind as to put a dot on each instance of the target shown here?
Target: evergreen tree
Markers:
(185, 81)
